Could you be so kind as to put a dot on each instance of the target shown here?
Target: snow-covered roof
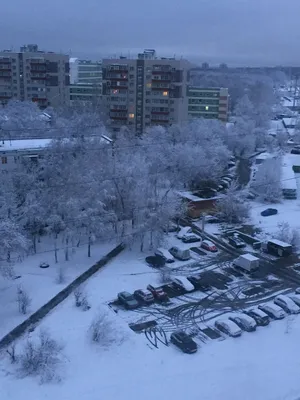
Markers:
(24, 144)
(289, 121)
(264, 156)
(280, 243)
(249, 257)
(288, 180)
(190, 196)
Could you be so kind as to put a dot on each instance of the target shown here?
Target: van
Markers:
(180, 254)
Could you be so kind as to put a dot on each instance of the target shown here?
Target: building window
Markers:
(148, 93)
(148, 85)
(4, 160)
(206, 108)
(131, 115)
(165, 93)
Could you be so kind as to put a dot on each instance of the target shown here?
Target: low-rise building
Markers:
(13, 152)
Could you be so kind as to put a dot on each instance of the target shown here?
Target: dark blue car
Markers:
(268, 212)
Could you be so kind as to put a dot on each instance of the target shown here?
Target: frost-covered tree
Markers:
(268, 180)
(232, 207)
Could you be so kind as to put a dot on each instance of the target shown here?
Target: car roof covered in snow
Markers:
(259, 312)
(231, 325)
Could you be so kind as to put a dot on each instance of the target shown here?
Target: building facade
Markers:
(209, 103)
(85, 94)
(86, 81)
(34, 75)
(143, 92)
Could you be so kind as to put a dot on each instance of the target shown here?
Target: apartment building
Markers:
(86, 81)
(209, 103)
(145, 91)
(34, 75)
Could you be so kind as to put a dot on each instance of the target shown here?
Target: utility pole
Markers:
(295, 90)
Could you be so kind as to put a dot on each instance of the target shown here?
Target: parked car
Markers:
(209, 246)
(268, 212)
(211, 219)
(190, 238)
(184, 231)
(251, 196)
(183, 283)
(164, 253)
(236, 242)
(127, 300)
(184, 342)
(144, 296)
(272, 310)
(295, 151)
(197, 282)
(287, 304)
(171, 227)
(261, 318)
(225, 183)
(245, 322)
(155, 261)
(229, 327)
(180, 254)
(158, 293)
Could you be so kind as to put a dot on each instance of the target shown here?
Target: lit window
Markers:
(206, 108)
(148, 85)
(165, 93)
(131, 115)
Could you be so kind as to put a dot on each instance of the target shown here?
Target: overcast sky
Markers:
(233, 31)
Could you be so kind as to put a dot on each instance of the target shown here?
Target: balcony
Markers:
(160, 113)
(117, 77)
(38, 61)
(118, 118)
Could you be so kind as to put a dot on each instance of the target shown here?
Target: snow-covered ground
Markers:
(40, 283)
(260, 365)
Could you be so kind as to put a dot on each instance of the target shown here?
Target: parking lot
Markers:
(224, 290)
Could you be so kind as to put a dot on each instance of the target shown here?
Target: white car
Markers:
(272, 310)
(295, 298)
(184, 231)
(228, 327)
(244, 321)
(287, 304)
(184, 283)
(165, 254)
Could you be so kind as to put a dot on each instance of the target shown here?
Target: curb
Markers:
(38, 315)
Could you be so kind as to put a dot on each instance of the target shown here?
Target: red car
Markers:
(157, 293)
(209, 246)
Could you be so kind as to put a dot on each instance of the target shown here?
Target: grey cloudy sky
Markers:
(233, 31)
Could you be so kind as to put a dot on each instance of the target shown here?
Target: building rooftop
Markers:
(24, 144)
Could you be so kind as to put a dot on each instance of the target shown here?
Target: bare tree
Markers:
(41, 357)
(11, 351)
(232, 207)
(23, 300)
(287, 234)
(164, 275)
(60, 275)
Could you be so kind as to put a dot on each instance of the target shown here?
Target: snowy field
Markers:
(260, 365)
(41, 284)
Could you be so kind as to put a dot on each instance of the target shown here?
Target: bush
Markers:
(81, 299)
(23, 300)
(287, 235)
(42, 357)
(102, 330)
